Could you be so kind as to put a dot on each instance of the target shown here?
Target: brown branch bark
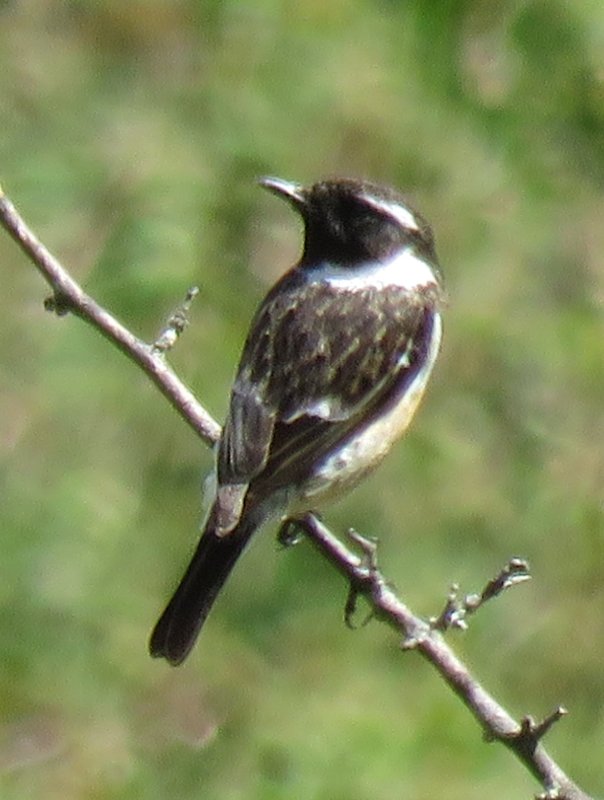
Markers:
(523, 739)
(69, 297)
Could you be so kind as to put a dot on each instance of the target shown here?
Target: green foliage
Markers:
(131, 137)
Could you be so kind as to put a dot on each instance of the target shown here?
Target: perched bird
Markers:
(333, 368)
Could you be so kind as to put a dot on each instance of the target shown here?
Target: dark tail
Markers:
(180, 624)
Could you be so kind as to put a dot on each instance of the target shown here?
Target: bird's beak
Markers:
(293, 192)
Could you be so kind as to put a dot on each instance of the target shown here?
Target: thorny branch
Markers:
(524, 738)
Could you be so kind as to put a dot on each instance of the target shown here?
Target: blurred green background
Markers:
(131, 135)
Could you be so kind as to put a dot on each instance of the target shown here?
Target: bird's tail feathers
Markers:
(178, 627)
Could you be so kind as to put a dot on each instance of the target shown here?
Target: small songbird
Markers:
(333, 368)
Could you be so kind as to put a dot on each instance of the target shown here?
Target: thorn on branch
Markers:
(368, 547)
(176, 324)
(367, 569)
(516, 571)
(531, 732)
(58, 304)
(553, 793)
(411, 642)
(457, 609)
(454, 612)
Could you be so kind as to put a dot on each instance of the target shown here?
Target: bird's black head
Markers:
(350, 222)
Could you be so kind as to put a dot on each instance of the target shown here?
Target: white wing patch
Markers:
(328, 408)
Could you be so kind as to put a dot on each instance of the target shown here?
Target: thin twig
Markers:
(457, 609)
(497, 723)
(68, 296)
(176, 324)
(523, 739)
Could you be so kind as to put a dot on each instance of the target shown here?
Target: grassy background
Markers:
(131, 135)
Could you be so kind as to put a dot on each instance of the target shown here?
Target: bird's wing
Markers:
(317, 362)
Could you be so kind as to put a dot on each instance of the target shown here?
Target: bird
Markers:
(333, 368)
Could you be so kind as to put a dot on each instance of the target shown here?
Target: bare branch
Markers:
(69, 297)
(361, 572)
(495, 721)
